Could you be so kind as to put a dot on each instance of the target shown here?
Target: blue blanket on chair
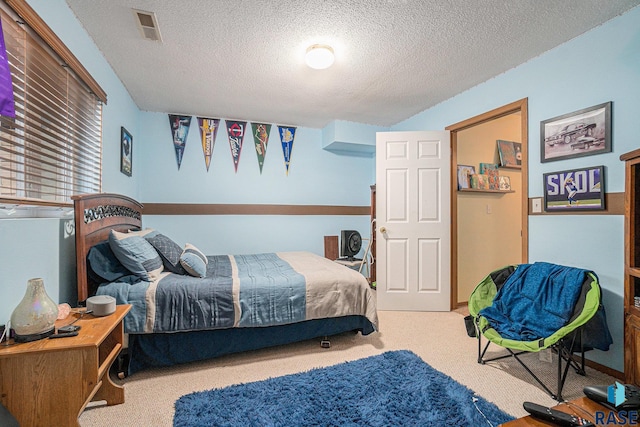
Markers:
(535, 301)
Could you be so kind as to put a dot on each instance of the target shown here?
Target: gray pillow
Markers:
(194, 261)
(136, 254)
(168, 250)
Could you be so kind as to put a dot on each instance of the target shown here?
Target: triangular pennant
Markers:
(7, 103)
(208, 132)
(261, 132)
(179, 131)
(287, 134)
(235, 132)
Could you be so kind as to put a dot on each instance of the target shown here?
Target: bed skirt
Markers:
(168, 349)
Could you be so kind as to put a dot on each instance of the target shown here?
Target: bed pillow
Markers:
(136, 254)
(168, 250)
(143, 233)
(194, 261)
(103, 263)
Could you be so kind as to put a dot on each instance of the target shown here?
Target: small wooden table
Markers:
(49, 382)
(592, 409)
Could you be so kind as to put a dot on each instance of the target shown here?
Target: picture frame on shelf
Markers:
(126, 152)
(485, 167)
(479, 182)
(504, 183)
(492, 174)
(581, 133)
(464, 176)
(574, 190)
(510, 154)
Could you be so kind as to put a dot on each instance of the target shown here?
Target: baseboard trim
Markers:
(604, 369)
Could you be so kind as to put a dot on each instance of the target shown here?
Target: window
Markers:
(52, 149)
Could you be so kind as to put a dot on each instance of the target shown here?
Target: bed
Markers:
(241, 302)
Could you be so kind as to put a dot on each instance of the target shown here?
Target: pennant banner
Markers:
(7, 103)
(287, 134)
(235, 132)
(261, 133)
(208, 132)
(179, 131)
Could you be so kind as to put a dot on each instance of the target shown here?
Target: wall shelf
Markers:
(481, 190)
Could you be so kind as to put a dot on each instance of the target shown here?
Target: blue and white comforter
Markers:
(246, 291)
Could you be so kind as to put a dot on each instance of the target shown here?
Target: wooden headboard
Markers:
(95, 216)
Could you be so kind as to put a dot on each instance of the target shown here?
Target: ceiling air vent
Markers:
(148, 25)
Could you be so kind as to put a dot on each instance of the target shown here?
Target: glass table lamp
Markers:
(35, 316)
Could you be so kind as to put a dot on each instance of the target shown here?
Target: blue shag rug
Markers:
(395, 388)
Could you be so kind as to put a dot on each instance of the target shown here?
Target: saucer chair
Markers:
(508, 306)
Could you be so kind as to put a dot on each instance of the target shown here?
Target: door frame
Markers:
(514, 107)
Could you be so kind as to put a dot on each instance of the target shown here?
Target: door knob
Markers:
(383, 229)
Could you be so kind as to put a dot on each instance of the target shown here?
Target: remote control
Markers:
(600, 394)
(554, 416)
(68, 328)
(64, 335)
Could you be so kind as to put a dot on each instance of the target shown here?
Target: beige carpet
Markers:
(440, 339)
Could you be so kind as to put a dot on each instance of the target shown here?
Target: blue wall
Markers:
(599, 66)
(316, 177)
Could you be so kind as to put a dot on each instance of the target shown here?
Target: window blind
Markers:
(52, 149)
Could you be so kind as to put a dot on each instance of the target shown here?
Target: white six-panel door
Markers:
(413, 223)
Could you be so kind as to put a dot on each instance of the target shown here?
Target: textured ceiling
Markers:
(243, 59)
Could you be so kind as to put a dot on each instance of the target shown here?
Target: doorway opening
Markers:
(477, 219)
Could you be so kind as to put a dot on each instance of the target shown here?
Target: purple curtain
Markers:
(7, 106)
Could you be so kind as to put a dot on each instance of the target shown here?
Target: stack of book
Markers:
(488, 178)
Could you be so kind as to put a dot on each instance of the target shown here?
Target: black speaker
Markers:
(350, 244)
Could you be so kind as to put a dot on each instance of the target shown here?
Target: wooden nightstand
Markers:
(49, 382)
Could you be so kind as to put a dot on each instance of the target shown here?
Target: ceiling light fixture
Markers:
(319, 56)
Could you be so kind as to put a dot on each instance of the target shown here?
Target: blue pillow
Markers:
(194, 261)
(136, 254)
(102, 262)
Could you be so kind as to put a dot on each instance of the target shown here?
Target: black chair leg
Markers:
(563, 355)
(567, 354)
(479, 335)
(560, 379)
